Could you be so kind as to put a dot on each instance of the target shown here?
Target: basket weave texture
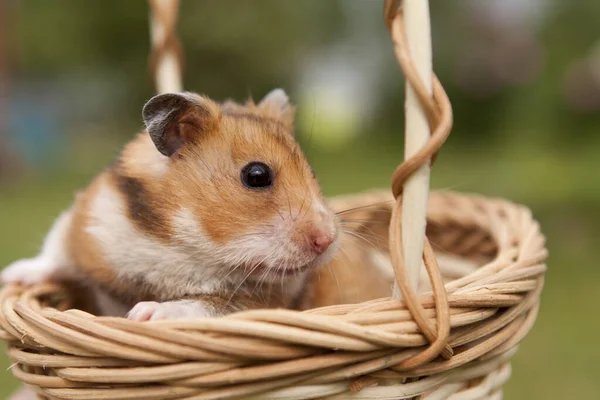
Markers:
(452, 340)
(283, 354)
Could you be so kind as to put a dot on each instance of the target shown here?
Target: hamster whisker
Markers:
(281, 277)
(361, 226)
(234, 266)
(437, 246)
(305, 211)
(367, 206)
(264, 259)
(366, 220)
(289, 205)
(210, 170)
(280, 214)
(361, 237)
(242, 282)
(262, 279)
(231, 268)
(301, 208)
(337, 281)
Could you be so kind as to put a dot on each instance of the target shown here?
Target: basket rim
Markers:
(491, 310)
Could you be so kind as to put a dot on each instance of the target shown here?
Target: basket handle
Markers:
(428, 124)
(166, 58)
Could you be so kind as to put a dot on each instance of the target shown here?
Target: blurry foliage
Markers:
(227, 43)
(230, 44)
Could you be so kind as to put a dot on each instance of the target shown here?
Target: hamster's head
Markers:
(247, 199)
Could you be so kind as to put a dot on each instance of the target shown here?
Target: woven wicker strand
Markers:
(286, 354)
(416, 133)
(166, 65)
(451, 339)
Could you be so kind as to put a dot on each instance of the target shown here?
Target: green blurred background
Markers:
(523, 77)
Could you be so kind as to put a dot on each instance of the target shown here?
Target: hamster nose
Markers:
(320, 240)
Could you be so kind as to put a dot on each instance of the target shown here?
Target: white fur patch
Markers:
(29, 271)
(25, 393)
(275, 98)
(51, 263)
(153, 311)
(319, 207)
(260, 245)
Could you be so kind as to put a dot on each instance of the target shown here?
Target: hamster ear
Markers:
(276, 99)
(175, 119)
(277, 103)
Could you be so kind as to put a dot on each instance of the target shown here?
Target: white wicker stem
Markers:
(168, 69)
(416, 189)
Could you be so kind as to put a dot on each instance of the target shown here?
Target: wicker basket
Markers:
(451, 341)
(302, 355)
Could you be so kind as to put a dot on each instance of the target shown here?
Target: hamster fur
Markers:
(173, 229)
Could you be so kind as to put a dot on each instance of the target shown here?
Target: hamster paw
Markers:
(28, 271)
(25, 393)
(152, 310)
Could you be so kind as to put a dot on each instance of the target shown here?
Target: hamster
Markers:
(212, 209)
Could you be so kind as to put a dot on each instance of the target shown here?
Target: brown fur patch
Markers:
(142, 207)
(139, 177)
(226, 303)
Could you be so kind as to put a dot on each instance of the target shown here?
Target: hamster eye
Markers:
(257, 175)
